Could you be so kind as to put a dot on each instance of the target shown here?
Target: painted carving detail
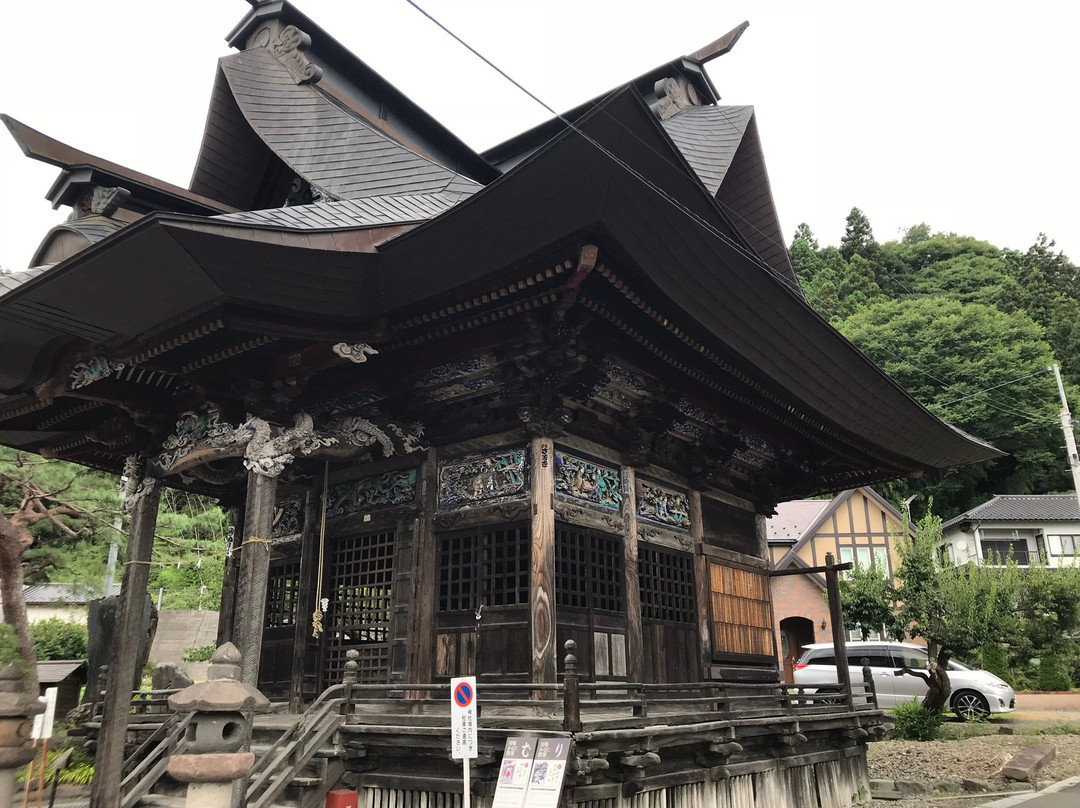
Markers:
(268, 454)
(589, 482)
(387, 490)
(199, 428)
(289, 47)
(288, 516)
(136, 483)
(457, 370)
(480, 478)
(357, 352)
(663, 505)
(93, 369)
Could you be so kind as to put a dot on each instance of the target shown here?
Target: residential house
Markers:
(857, 525)
(66, 602)
(1022, 527)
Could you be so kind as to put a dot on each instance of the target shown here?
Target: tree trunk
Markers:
(14, 539)
(937, 696)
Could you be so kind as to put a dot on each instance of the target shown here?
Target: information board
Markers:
(548, 771)
(514, 775)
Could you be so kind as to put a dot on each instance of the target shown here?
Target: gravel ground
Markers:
(977, 758)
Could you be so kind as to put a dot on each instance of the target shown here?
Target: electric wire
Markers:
(752, 257)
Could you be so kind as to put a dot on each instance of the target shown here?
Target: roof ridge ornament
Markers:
(289, 49)
(673, 95)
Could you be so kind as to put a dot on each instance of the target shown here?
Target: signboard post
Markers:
(463, 726)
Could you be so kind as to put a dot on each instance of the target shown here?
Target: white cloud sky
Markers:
(960, 114)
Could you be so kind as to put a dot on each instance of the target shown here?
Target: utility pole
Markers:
(1070, 438)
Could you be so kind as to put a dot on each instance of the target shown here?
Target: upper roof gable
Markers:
(1022, 508)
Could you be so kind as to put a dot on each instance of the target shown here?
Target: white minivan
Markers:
(975, 693)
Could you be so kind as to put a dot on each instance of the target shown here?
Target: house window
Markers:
(1063, 545)
(861, 556)
(282, 591)
(741, 611)
(998, 551)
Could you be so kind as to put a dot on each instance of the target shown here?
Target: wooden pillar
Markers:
(703, 586)
(542, 578)
(109, 760)
(254, 572)
(836, 617)
(630, 575)
(305, 596)
(227, 615)
(420, 665)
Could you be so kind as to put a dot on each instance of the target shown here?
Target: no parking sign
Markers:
(463, 717)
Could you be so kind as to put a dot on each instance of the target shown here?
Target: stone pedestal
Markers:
(219, 733)
(17, 711)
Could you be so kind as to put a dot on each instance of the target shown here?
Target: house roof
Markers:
(72, 594)
(791, 520)
(1022, 508)
(54, 671)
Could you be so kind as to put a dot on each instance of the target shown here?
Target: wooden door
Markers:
(360, 572)
(669, 633)
(276, 656)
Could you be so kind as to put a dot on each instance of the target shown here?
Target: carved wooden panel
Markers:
(361, 596)
(482, 478)
(289, 515)
(586, 481)
(741, 611)
(657, 503)
(386, 490)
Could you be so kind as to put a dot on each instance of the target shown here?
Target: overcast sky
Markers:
(959, 114)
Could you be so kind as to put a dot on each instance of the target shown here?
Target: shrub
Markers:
(995, 659)
(199, 653)
(913, 723)
(58, 639)
(1053, 675)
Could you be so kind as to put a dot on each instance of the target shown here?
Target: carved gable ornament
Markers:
(673, 95)
(289, 49)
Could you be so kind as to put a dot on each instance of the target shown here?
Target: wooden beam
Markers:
(630, 576)
(227, 615)
(421, 652)
(702, 585)
(836, 617)
(809, 570)
(305, 596)
(109, 760)
(542, 579)
(254, 572)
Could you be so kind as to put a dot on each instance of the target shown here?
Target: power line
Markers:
(752, 257)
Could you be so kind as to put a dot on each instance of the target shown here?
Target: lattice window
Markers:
(359, 614)
(588, 570)
(488, 565)
(666, 581)
(741, 611)
(282, 590)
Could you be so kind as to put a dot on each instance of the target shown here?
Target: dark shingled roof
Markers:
(1023, 508)
(52, 672)
(709, 137)
(372, 211)
(13, 280)
(329, 146)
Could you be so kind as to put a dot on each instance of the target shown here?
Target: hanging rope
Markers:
(320, 602)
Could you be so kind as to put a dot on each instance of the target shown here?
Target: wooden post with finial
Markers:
(571, 692)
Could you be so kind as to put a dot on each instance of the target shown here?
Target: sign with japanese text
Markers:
(514, 774)
(548, 771)
(463, 717)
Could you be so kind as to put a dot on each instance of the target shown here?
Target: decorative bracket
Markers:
(357, 352)
(289, 48)
(92, 370)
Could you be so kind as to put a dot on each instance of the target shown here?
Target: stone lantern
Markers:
(17, 709)
(219, 732)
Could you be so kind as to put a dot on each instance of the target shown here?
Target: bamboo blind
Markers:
(741, 611)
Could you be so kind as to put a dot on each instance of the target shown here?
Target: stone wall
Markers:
(179, 630)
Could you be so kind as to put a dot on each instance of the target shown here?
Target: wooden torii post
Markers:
(832, 572)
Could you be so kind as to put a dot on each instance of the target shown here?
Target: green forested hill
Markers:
(969, 329)
(188, 558)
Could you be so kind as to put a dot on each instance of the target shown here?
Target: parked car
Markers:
(975, 693)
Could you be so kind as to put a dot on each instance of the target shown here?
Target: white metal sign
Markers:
(463, 717)
(43, 722)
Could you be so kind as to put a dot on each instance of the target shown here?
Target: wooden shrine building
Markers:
(468, 405)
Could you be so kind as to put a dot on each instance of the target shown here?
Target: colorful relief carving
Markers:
(288, 516)
(587, 481)
(663, 505)
(480, 478)
(386, 490)
(457, 370)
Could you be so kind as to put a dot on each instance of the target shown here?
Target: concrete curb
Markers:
(1019, 799)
